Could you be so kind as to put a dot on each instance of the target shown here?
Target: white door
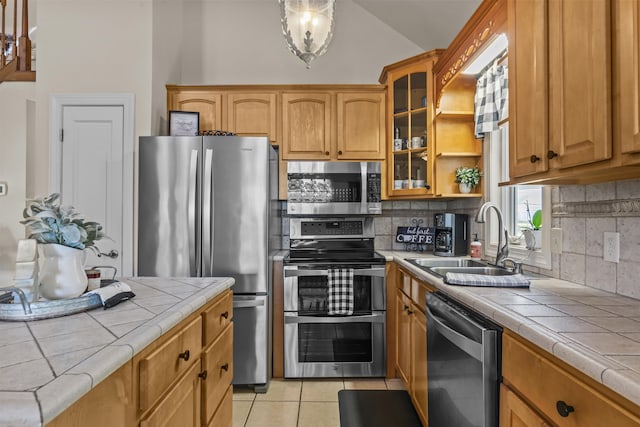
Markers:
(92, 173)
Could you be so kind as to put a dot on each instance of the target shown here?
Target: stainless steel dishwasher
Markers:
(463, 365)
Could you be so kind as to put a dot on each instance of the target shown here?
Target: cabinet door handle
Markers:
(409, 312)
(184, 355)
(563, 409)
(534, 158)
(225, 367)
(326, 152)
(339, 151)
(405, 307)
(203, 375)
(225, 315)
(551, 154)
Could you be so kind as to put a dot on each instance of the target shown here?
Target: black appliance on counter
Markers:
(320, 344)
(451, 235)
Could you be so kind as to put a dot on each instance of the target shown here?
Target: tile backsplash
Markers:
(585, 213)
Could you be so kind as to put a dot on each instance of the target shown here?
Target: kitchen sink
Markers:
(440, 267)
(430, 262)
(485, 271)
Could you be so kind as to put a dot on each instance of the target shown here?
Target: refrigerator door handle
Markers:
(207, 223)
(248, 303)
(194, 247)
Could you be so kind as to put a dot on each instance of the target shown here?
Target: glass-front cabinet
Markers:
(409, 171)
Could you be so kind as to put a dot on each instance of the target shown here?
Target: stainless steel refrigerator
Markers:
(208, 207)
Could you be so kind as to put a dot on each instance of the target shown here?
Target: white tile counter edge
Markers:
(604, 370)
(42, 406)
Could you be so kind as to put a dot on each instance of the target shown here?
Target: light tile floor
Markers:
(299, 403)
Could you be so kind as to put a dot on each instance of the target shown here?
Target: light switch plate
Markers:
(556, 240)
(3, 188)
(611, 246)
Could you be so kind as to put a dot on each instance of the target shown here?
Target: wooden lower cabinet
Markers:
(182, 379)
(181, 406)
(419, 363)
(224, 414)
(217, 363)
(514, 412)
(549, 386)
(108, 404)
(411, 338)
(403, 337)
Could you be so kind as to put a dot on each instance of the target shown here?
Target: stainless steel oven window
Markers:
(352, 346)
(306, 289)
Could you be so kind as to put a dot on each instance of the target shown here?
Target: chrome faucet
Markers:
(503, 249)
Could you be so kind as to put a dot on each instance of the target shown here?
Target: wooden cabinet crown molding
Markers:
(487, 21)
(277, 87)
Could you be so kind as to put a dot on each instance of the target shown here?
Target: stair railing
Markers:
(15, 52)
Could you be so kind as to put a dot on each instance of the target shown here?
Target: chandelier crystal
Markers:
(307, 26)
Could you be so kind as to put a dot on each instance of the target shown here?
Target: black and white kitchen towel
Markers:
(341, 291)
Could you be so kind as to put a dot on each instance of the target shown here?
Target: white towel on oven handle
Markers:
(340, 283)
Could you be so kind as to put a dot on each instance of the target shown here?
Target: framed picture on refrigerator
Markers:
(184, 123)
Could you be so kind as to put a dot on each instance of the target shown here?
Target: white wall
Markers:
(15, 99)
(241, 42)
(91, 46)
(139, 46)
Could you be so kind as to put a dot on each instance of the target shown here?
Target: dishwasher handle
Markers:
(466, 344)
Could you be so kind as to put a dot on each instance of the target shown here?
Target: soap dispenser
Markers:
(476, 247)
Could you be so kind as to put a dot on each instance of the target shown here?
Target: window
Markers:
(517, 203)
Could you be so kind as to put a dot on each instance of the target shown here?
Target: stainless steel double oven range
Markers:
(319, 344)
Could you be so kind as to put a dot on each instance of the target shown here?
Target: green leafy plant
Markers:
(469, 176)
(535, 220)
(49, 222)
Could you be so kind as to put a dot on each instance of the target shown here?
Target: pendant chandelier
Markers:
(307, 26)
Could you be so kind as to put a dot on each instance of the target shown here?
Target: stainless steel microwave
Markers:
(342, 188)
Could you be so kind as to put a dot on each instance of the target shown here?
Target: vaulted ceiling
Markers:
(428, 23)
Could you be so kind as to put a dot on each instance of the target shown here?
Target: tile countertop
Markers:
(595, 331)
(47, 365)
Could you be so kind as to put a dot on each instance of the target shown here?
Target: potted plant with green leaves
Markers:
(533, 234)
(62, 235)
(468, 178)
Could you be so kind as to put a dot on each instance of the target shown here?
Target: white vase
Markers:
(464, 188)
(61, 271)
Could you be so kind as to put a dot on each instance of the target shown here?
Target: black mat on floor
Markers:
(376, 408)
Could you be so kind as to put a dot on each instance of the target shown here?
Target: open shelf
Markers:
(456, 114)
(460, 195)
(459, 154)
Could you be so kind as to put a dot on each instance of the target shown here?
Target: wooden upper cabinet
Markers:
(306, 126)
(627, 78)
(207, 103)
(579, 82)
(361, 130)
(528, 83)
(252, 114)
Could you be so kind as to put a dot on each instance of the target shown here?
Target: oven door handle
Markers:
(379, 272)
(367, 318)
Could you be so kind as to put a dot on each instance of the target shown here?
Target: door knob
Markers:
(563, 409)
(184, 355)
(534, 158)
(203, 375)
(113, 254)
(225, 367)
(339, 151)
(326, 152)
(225, 315)
(551, 154)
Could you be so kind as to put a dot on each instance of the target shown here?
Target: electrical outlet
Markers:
(611, 246)
(556, 240)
